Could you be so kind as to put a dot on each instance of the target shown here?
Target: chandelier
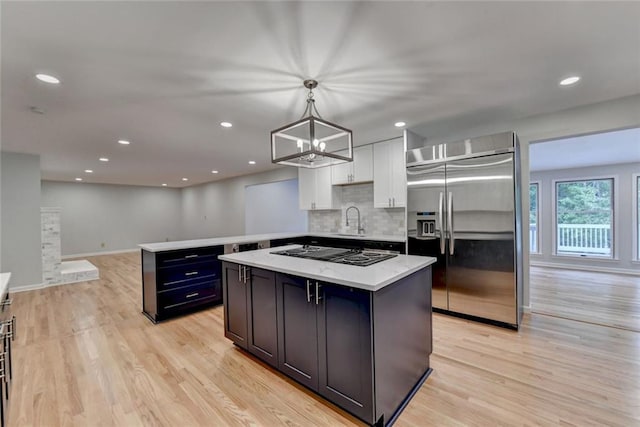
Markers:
(311, 142)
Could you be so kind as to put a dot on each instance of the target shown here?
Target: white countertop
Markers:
(4, 283)
(370, 278)
(219, 241)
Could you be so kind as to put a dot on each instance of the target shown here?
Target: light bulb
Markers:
(323, 145)
(315, 142)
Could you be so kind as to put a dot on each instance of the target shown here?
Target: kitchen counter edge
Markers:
(219, 241)
(371, 278)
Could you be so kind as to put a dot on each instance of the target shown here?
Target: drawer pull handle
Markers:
(191, 273)
(195, 294)
(191, 256)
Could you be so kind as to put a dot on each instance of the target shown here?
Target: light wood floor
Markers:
(85, 356)
(601, 298)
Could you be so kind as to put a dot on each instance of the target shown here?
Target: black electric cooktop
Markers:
(358, 257)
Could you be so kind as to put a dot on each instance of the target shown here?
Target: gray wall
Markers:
(120, 216)
(616, 114)
(623, 222)
(21, 246)
(273, 208)
(217, 209)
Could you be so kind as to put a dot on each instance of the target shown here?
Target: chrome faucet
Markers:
(346, 214)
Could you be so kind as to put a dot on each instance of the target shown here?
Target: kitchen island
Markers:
(360, 337)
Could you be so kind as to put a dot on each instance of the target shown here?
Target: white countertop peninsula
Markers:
(4, 283)
(370, 278)
(219, 241)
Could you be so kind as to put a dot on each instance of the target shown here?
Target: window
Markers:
(534, 228)
(584, 217)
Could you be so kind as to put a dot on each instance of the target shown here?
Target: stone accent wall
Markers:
(51, 249)
(381, 221)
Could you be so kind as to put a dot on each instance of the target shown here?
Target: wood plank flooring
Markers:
(600, 298)
(86, 356)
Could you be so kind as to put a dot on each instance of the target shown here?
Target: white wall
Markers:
(21, 246)
(217, 209)
(273, 208)
(118, 216)
(609, 115)
(623, 225)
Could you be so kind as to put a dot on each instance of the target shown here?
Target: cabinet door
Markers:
(341, 173)
(297, 330)
(235, 305)
(397, 173)
(345, 350)
(362, 164)
(263, 335)
(306, 188)
(326, 195)
(381, 176)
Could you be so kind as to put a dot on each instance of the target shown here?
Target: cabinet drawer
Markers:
(183, 275)
(190, 296)
(187, 256)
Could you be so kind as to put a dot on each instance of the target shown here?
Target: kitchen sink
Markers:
(350, 235)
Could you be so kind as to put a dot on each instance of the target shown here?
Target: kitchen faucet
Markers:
(346, 214)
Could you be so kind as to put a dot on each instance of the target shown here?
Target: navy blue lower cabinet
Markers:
(344, 348)
(297, 330)
(262, 339)
(367, 352)
(235, 296)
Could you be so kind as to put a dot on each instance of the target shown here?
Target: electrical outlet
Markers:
(102, 245)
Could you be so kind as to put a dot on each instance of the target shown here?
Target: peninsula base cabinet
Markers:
(367, 352)
(250, 310)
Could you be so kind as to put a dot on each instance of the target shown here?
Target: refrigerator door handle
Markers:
(452, 239)
(440, 219)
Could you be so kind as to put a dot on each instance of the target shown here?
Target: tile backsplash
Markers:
(381, 221)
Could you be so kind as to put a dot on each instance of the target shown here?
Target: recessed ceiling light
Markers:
(252, 162)
(123, 142)
(48, 79)
(88, 171)
(400, 124)
(78, 179)
(214, 171)
(225, 124)
(185, 179)
(164, 185)
(569, 80)
(103, 159)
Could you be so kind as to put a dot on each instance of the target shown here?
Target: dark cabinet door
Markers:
(345, 350)
(297, 330)
(235, 304)
(263, 335)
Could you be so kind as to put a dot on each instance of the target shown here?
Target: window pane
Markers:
(584, 217)
(638, 215)
(533, 218)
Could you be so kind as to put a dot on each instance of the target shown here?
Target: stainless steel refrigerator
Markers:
(464, 208)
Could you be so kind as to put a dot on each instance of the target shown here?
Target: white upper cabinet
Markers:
(315, 189)
(389, 175)
(360, 170)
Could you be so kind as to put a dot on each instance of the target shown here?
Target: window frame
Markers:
(614, 218)
(635, 187)
(538, 221)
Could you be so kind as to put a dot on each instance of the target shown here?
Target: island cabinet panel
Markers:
(262, 320)
(344, 340)
(179, 281)
(297, 330)
(235, 304)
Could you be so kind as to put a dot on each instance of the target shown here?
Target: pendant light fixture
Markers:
(311, 142)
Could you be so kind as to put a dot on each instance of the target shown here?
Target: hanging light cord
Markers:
(311, 106)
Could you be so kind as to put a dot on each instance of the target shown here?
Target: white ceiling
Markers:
(609, 148)
(165, 74)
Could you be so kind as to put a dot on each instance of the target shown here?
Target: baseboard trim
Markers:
(594, 268)
(526, 309)
(120, 251)
(25, 288)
